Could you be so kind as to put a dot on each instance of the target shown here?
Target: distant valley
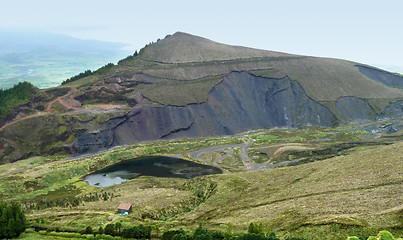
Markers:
(46, 59)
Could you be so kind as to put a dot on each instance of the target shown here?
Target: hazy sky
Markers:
(365, 31)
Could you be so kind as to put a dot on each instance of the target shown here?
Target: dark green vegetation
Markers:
(199, 233)
(14, 96)
(12, 220)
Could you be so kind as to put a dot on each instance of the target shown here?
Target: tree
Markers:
(12, 220)
(100, 230)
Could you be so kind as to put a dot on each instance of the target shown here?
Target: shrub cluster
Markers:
(111, 231)
(255, 232)
(139, 232)
(382, 235)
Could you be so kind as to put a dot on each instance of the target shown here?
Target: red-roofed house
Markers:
(125, 208)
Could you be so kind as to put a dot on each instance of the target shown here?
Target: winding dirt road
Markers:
(47, 111)
(61, 101)
(243, 146)
(20, 119)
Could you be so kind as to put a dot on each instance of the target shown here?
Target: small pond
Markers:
(157, 166)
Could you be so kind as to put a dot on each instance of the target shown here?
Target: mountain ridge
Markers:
(184, 48)
(154, 95)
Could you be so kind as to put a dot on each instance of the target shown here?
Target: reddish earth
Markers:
(47, 110)
(20, 119)
(60, 100)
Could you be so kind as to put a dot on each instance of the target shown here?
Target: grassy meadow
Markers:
(340, 190)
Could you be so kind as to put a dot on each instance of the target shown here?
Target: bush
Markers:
(88, 230)
(382, 235)
(88, 236)
(385, 235)
(30, 230)
(168, 235)
(110, 229)
(103, 236)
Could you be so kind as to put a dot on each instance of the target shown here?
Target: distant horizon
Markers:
(367, 31)
(47, 59)
(130, 47)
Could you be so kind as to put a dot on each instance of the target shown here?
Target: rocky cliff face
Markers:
(187, 86)
(240, 102)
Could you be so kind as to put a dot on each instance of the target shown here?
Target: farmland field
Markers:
(49, 69)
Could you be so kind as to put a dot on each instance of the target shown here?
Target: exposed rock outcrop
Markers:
(387, 78)
(240, 102)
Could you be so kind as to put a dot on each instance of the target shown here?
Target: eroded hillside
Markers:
(187, 86)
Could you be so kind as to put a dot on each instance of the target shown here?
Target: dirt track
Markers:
(60, 100)
(47, 111)
(243, 146)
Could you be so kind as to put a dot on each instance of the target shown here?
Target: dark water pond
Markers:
(157, 166)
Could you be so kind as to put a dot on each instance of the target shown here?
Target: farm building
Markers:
(125, 208)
